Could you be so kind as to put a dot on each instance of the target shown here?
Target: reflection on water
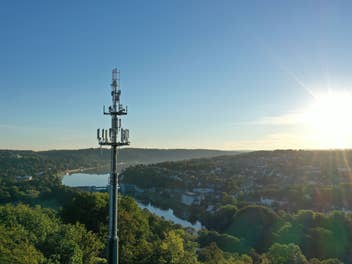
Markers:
(84, 179)
(169, 215)
(101, 180)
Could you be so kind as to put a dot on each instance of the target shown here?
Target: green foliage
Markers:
(254, 225)
(36, 221)
(16, 248)
(224, 241)
(73, 244)
(144, 238)
(221, 218)
(90, 209)
(134, 233)
(156, 178)
(212, 255)
(318, 235)
(42, 236)
(286, 254)
(173, 249)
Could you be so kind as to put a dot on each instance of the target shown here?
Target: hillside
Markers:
(285, 179)
(18, 162)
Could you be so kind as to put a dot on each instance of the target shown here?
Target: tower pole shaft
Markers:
(115, 110)
(114, 242)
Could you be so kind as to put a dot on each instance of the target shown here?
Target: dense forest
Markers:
(77, 234)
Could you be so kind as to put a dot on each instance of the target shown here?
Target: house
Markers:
(24, 178)
(203, 190)
(266, 201)
(188, 198)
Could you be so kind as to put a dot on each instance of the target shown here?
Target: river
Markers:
(101, 180)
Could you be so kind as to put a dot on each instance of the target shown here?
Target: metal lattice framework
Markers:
(109, 137)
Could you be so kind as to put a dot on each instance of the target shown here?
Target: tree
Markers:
(286, 254)
(224, 241)
(73, 244)
(173, 249)
(221, 218)
(37, 234)
(291, 233)
(212, 255)
(90, 209)
(254, 226)
(15, 247)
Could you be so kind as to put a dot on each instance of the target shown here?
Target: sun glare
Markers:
(330, 120)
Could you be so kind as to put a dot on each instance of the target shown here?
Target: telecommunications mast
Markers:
(109, 137)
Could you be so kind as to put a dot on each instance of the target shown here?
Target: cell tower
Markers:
(109, 137)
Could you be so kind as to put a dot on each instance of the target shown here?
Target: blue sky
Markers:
(195, 74)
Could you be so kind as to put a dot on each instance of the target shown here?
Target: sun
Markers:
(329, 120)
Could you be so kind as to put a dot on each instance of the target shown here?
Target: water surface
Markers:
(84, 179)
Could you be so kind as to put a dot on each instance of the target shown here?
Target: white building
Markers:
(24, 178)
(188, 198)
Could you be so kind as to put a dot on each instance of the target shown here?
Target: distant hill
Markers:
(17, 162)
(135, 155)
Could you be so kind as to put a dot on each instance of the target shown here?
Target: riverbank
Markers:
(89, 170)
(169, 214)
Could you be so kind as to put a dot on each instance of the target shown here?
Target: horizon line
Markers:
(209, 149)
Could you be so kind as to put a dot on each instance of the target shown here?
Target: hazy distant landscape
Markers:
(253, 205)
(19, 162)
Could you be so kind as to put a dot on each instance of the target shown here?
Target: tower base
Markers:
(113, 255)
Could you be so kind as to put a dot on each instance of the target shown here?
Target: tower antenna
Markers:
(111, 139)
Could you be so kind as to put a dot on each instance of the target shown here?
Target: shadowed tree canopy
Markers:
(254, 226)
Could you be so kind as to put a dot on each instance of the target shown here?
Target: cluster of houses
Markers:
(193, 197)
(250, 174)
(26, 178)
